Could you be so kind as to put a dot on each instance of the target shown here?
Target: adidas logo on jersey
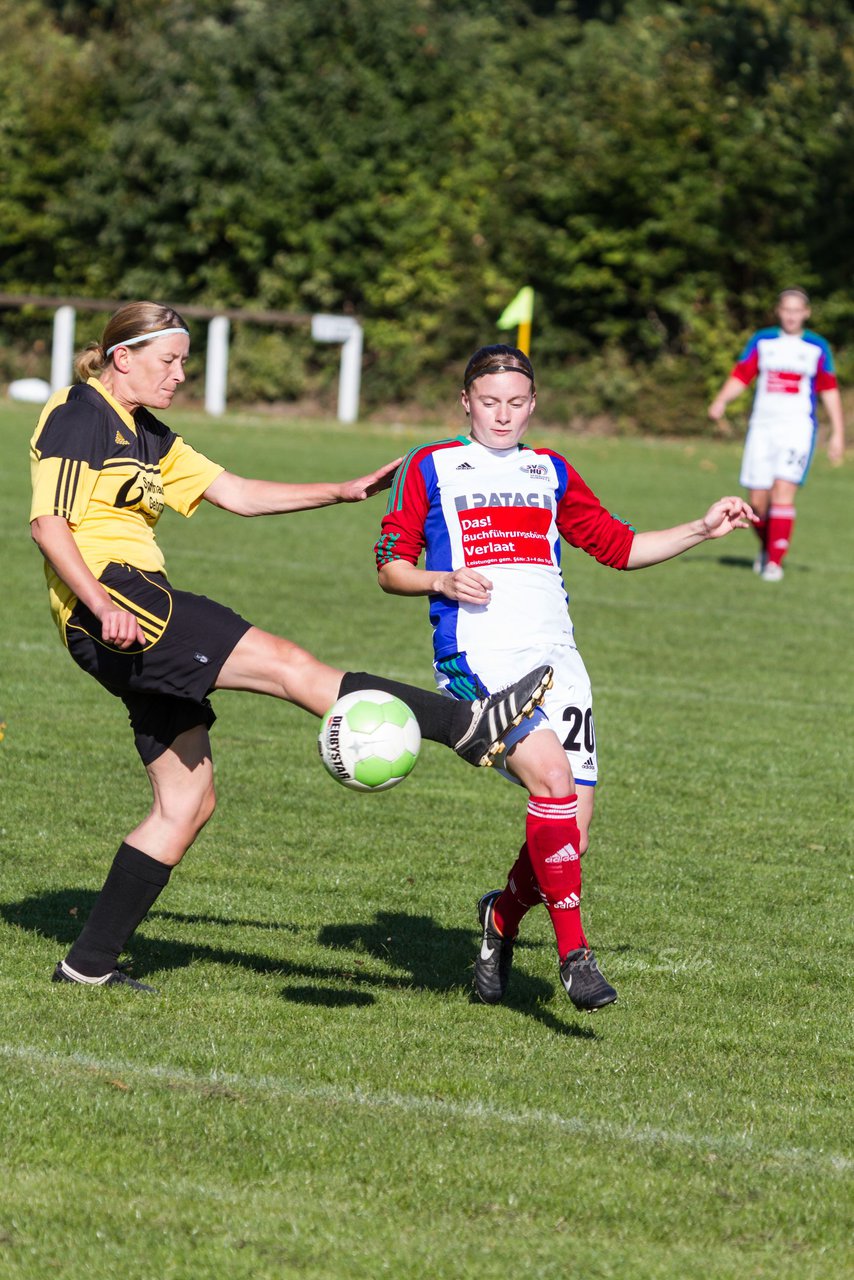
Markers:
(588, 763)
(566, 854)
(465, 466)
(120, 438)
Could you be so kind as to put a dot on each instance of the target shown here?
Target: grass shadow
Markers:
(325, 997)
(742, 562)
(194, 917)
(427, 956)
(729, 562)
(433, 957)
(60, 914)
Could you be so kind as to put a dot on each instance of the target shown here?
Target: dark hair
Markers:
(796, 289)
(130, 321)
(497, 359)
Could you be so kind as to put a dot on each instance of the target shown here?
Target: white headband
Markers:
(144, 337)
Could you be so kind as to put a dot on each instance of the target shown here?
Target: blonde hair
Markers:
(794, 291)
(130, 321)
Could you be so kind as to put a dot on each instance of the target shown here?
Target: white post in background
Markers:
(350, 376)
(62, 352)
(216, 366)
(348, 332)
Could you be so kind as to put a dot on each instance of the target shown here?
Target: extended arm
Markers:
(832, 402)
(400, 578)
(53, 538)
(247, 497)
(731, 389)
(722, 518)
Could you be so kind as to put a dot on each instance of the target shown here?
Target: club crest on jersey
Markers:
(535, 470)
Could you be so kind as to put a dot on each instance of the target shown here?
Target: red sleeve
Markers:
(402, 536)
(825, 379)
(747, 368)
(584, 523)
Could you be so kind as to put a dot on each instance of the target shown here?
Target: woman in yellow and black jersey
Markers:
(109, 473)
(103, 469)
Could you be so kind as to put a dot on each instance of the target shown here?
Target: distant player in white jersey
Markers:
(489, 513)
(792, 367)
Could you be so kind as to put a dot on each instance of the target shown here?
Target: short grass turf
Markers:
(314, 1093)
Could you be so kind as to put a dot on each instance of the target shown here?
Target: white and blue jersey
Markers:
(790, 371)
(502, 512)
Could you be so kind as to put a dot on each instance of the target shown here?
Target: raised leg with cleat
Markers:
(491, 717)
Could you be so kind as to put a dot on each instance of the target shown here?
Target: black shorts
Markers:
(164, 684)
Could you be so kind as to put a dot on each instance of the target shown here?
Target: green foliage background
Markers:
(656, 171)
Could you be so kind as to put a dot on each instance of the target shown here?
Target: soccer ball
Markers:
(369, 740)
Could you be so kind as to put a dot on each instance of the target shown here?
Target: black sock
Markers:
(441, 719)
(131, 888)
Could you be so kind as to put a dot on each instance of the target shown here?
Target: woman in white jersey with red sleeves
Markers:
(792, 367)
(489, 513)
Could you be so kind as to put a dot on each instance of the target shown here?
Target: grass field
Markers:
(314, 1093)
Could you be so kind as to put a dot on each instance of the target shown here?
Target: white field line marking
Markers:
(740, 1145)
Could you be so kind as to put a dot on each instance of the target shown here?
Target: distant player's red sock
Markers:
(781, 521)
(553, 844)
(522, 893)
(761, 531)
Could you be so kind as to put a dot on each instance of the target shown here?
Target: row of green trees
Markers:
(655, 171)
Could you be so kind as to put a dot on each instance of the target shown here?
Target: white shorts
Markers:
(776, 453)
(567, 707)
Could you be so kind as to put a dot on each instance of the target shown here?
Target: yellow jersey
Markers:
(110, 473)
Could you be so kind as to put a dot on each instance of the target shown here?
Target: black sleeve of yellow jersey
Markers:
(76, 432)
(66, 459)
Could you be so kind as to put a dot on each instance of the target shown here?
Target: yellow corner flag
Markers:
(520, 312)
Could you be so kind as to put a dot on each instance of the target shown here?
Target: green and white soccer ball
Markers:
(369, 740)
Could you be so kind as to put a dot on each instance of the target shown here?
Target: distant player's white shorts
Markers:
(568, 705)
(776, 453)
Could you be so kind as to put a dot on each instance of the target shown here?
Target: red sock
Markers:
(781, 521)
(761, 531)
(553, 843)
(521, 894)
